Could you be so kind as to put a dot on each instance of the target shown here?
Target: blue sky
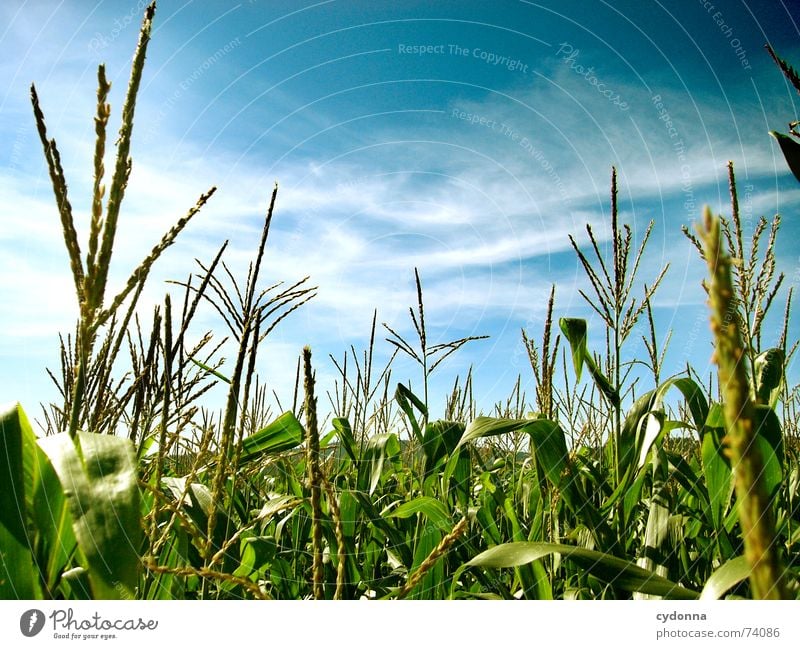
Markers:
(467, 139)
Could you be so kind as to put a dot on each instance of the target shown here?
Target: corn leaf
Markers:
(433, 510)
(726, 577)
(283, 434)
(16, 562)
(103, 496)
(791, 151)
(618, 572)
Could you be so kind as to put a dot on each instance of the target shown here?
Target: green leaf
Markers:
(550, 446)
(769, 439)
(616, 571)
(103, 497)
(490, 426)
(791, 151)
(281, 435)
(601, 381)
(393, 536)
(693, 394)
(716, 467)
(407, 400)
(439, 440)
(644, 425)
(434, 578)
(51, 518)
(197, 503)
(726, 577)
(377, 450)
(345, 433)
(16, 562)
(548, 438)
(431, 508)
(278, 503)
(769, 366)
(574, 329)
(212, 371)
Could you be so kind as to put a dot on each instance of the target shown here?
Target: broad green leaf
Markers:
(550, 447)
(791, 151)
(439, 440)
(393, 536)
(16, 561)
(547, 436)
(257, 553)
(692, 394)
(686, 476)
(103, 497)
(433, 510)
(276, 504)
(653, 426)
(632, 431)
(769, 438)
(654, 552)
(198, 502)
(574, 329)
(601, 381)
(618, 572)
(726, 577)
(434, 578)
(281, 435)
(456, 476)
(345, 434)
(51, 517)
(407, 401)
(490, 426)
(716, 467)
(769, 367)
(644, 424)
(376, 451)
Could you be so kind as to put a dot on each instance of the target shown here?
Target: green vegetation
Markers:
(687, 492)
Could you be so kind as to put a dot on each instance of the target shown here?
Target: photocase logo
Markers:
(31, 622)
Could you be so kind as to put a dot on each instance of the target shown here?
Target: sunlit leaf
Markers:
(103, 496)
(283, 434)
(619, 572)
(726, 577)
(791, 151)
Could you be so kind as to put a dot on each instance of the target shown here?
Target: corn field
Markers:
(671, 487)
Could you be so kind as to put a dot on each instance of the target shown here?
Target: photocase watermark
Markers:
(100, 41)
(65, 625)
(454, 49)
(679, 149)
(525, 143)
(747, 218)
(31, 622)
(17, 149)
(727, 31)
(569, 56)
(168, 104)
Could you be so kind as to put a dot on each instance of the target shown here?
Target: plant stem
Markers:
(314, 477)
(755, 508)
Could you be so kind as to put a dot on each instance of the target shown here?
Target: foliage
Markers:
(162, 500)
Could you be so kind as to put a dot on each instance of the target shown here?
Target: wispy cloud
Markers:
(477, 186)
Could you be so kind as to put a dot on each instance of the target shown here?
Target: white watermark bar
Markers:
(404, 624)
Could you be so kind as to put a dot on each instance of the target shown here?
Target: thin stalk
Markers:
(314, 477)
